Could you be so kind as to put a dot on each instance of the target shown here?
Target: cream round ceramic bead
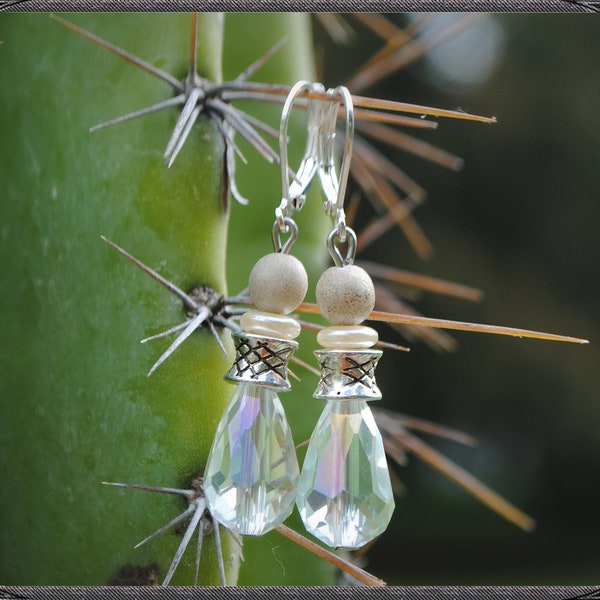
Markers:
(345, 295)
(278, 283)
(270, 325)
(347, 337)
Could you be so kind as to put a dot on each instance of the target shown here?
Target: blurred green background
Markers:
(519, 222)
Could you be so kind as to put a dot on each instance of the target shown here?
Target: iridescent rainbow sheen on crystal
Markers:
(345, 495)
(252, 472)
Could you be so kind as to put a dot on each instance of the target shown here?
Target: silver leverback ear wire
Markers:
(319, 157)
(334, 187)
(293, 195)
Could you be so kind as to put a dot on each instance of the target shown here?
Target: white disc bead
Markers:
(345, 295)
(347, 337)
(270, 325)
(278, 283)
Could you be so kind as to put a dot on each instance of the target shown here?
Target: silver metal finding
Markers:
(334, 187)
(286, 225)
(261, 361)
(319, 157)
(293, 195)
(335, 252)
(347, 374)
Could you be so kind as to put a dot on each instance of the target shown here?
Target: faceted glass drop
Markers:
(252, 472)
(344, 495)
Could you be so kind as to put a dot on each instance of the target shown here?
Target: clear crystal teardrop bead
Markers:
(252, 471)
(345, 496)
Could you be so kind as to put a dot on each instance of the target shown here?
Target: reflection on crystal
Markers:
(252, 470)
(344, 495)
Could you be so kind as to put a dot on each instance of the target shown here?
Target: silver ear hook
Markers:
(293, 195)
(334, 187)
(319, 157)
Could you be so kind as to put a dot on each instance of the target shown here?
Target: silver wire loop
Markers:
(333, 239)
(289, 227)
(293, 195)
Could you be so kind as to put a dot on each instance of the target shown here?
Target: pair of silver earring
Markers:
(252, 478)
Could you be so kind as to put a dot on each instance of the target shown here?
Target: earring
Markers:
(252, 470)
(344, 494)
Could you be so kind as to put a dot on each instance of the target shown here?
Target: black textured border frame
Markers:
(309, 592)
(506, 6)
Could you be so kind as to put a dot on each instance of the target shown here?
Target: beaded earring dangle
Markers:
(252, 471)
(344, 493)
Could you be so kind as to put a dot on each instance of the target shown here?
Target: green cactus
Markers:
(77, 407)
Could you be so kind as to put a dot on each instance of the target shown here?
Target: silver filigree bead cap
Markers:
(347, 374)
(261, 361)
